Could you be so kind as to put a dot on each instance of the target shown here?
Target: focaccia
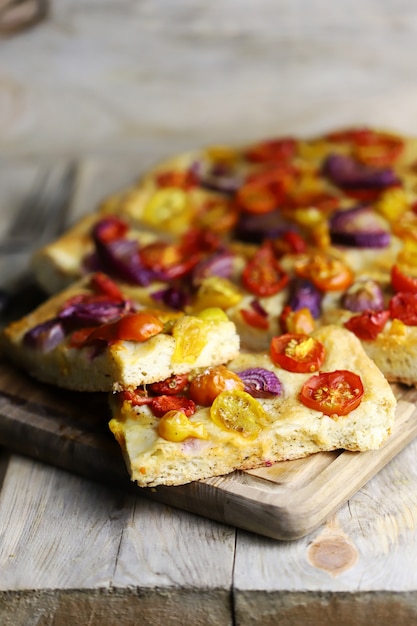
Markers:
(255, 425)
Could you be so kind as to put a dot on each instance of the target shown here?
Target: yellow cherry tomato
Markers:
(175, 426)
(216, 291)
(191, 335)
(205, 387)
(239, 412)
(169, 208)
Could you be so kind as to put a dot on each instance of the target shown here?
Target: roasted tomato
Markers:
(255, 318)
(325, 272)
(104, 285)
(205, 387)
(401, 281)
(256, 198)
(263, 276)
(170, 386)
(182, 179)
(133, 327)
(167, 260)
(376, 148)
(368, 325)
(160, 405)
(237, 411)
(110, 228)
(403, 307)
(297, 352)
(333, 393)
(175, 426)
(279, 150)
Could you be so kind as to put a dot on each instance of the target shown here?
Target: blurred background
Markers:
(147, 78)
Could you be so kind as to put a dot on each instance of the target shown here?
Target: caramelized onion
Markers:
(260, 382)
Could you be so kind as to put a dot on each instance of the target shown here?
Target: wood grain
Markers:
(286, 501)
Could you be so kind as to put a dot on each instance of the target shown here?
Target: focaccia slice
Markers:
(241, 431)
(91, 337)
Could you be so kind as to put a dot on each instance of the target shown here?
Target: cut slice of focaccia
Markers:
(256, 411)
(91, 337)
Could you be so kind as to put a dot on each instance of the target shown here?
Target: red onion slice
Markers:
(305, 295)
(344, 171)
(84, 314)
(364, 295)
(172, 297)
(46, 336)
(256, 228)
(218, 264)
(359, 227)
(261, 383)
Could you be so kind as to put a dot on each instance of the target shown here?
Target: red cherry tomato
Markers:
(403, 282)
(403, 307)
(182, 179)
(104, 285)
(278, 150)
(333, 393)
(111, 228)
(297, 352)
(325, 272)
(162, 404)
(171, 386)
(368, 325)
(256, 198)
(263, 275)
(133, 327)
(255, 319)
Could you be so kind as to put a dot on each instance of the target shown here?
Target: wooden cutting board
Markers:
(285, 501)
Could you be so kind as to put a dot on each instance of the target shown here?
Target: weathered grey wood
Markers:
(154, 77)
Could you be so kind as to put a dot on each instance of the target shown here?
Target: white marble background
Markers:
(106, 77)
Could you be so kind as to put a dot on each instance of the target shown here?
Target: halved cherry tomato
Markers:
(170, 386)
(110, 228)
(133, 327)
(136, 397)
(167, 259)
(255, 318)
(256, 198)
(403, 307)
(297, 352)
(205, 387)
(368, 325)
(401, 281)
(219, 215)
(300, 321)
(325, 272)
(182, 179)
(372, 147)
(104, 285)
(175, 426)
(237, 411)
(333, 393)
(263, 275)
(290, 243)
(160, 405)
(280, 150)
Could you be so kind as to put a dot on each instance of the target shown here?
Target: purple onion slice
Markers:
(305, 295)
(256, 228)
(46, 336)
(121, 258)
(348, 173)
(218, 264)
(172, 297)
(359, 227)
(261, 383)
(364, 295)
(83, 314)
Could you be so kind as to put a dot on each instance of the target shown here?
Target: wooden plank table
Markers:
(118, 85)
